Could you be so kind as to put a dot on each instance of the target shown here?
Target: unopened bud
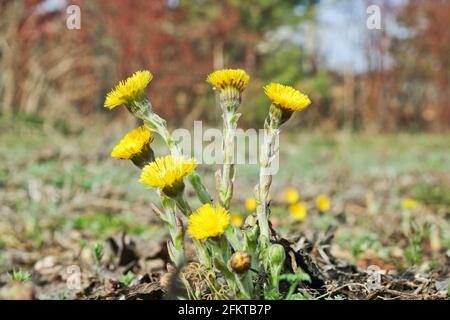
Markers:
(240, 262)
(276, 255)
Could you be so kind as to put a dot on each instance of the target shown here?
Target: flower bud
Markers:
(251, 231)
(277, 255)
(240, 262)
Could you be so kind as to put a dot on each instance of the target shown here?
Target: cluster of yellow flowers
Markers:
(299, 209)
(167, 174)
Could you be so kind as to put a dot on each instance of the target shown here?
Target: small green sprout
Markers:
(98, 252)
(127, 278)
(20, 276)
(414, 253)
(294, 279)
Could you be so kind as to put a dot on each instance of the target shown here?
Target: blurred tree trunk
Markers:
(218, 56)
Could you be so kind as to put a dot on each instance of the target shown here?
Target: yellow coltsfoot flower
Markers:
(208, 221)
(250, 204)
(237, 219)
(323, 203)
(167, 173)
(126, 92)
(298, 211)
(286, 98)
(291, 195)
(408, 203)
(135, 146)
(229, 78)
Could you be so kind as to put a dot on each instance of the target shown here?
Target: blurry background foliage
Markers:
(50, 71)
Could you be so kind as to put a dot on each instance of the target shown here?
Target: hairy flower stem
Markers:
(183, 205)
(157, 124)
(176, 230)
(267, 155)
(202, 252)
(222, 253)
(229, 102)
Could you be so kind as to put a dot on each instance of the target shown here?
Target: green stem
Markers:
(157, 124)
(267, 154)
(176, 231)
(230, 100)
(202, 253)
(183, 205)
(230, 119)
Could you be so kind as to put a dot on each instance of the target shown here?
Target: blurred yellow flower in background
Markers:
(298, 211)
(291, 195)
(323, 203)
(408, 203)
(286, 97)
(250, 204)
(132, 143)
(229, 78)
(208, 221)
(237, 219)
(128, 90)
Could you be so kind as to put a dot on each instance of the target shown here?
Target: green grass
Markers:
(20, 276)
(105, 224)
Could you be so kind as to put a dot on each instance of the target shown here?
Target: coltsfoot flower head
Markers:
(240, 262)
(237, 219)
(286, 98)
(129, 90)
(167, 173)
(135, 146)
(229, 78)
(291, 195)
(323, 203)
(298, 211)
(409, 203)
(250, 204)
(208, 221)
